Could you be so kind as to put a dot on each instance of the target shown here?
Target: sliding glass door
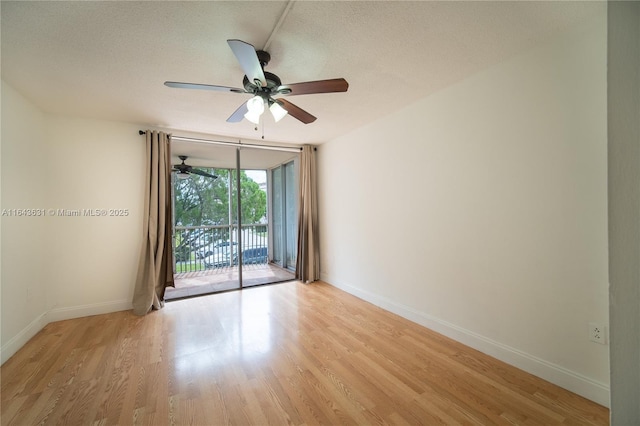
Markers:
(226, 235)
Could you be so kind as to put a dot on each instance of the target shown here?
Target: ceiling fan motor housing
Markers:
(273, 82)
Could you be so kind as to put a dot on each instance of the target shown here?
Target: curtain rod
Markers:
(236, 144)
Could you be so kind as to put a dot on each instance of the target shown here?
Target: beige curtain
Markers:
(308, 260)
(155, 267)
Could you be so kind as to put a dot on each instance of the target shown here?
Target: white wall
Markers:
(624, 209)
(481, 211)
(24, 239)
(95, 165)
(59, 267)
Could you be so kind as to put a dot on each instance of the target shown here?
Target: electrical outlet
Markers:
(597, 333)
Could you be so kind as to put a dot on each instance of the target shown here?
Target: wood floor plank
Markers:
(285, 354)
(307, 406)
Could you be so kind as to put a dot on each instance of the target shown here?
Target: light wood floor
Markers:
(281, 354)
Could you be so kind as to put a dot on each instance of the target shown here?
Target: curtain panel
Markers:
(308, 258)
(155, 267)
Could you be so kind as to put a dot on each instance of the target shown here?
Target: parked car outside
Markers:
(250, 256)
(219, 247)
(254, 255)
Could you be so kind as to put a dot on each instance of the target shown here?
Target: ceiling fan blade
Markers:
(238, 114)
(202, 173)
(296, 112)
(320, 86)
(248, 58)
(178, 85)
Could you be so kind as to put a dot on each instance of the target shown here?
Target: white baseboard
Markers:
(560, 376)
(20, 339)
(58, 314)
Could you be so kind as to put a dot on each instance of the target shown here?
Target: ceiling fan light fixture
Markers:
(253, 117)
(277, 111)
(255, 108)
(182, 175)
(256, 105)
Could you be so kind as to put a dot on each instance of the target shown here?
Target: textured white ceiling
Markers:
(109, 60)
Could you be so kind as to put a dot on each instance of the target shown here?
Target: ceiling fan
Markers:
(184, 170)
(264, 86)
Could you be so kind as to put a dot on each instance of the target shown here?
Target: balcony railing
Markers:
(197, 248)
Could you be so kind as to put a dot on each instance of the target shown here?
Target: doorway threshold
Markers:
(191, 284)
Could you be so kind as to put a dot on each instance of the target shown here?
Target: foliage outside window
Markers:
(202, 201)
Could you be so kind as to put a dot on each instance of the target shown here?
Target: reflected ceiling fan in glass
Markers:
(184, 171)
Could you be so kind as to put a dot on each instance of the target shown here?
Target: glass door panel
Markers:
(277, 217)
(259, 258)
(291, 215)
(284, 202)
(205, 225)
